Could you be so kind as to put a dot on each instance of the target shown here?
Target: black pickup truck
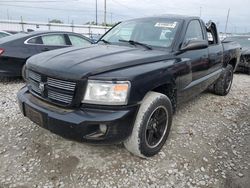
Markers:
(127, 86)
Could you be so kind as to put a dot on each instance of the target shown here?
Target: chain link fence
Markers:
(87, 30)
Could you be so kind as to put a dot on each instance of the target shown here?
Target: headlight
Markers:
(107, 92)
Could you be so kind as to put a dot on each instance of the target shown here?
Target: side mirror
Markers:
(195, 45)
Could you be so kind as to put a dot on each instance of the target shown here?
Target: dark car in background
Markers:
(244, 41)
(16, 49)
(4, 34)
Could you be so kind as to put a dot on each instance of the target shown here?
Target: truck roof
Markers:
(171, 16)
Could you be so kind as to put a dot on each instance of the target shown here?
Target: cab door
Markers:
(199, 58)
(197, 61)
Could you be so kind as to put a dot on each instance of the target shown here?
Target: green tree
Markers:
(56, 21)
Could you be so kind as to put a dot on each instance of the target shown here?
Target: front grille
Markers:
(70, 86)
(35, 86)
(51, 89)
(34, 76)
(60, 97)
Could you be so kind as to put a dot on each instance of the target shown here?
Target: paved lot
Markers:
(209, 146)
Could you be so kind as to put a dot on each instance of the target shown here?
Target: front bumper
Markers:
(79, 124)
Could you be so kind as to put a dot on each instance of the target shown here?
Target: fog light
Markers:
(103, 128)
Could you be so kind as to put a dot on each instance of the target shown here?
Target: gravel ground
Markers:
(208, 147)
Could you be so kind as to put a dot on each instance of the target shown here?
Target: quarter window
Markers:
(36, 40)
(194, 31)
(78, 41)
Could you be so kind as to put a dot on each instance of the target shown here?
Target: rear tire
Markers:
(151, 127)
(224, 83)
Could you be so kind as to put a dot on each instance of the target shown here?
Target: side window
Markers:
(36, 40)
(194, 31)
(53, 40)
(212, 35)
(78, 41)
(211, 39)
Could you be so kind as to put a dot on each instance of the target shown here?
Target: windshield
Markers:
(243, 41)
(153, 32)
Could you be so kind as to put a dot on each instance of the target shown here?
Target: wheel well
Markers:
(170, 91)
(233, 62)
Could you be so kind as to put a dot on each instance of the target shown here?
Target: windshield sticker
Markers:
(166, 25)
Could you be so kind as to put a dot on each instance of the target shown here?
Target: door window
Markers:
(194, 31)
(53, 40)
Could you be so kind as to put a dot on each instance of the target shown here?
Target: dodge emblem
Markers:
(42, 86)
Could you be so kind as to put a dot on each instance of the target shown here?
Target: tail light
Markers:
(1, 51)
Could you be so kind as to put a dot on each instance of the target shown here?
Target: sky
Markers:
(82, 11)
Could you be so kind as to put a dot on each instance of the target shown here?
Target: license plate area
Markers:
(34, 115)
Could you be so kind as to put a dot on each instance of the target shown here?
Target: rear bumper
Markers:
(79, 124)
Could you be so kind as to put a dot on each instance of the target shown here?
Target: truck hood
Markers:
(77, 63)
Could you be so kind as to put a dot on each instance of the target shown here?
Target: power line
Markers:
(117, 2)
(48, 1)
(47, 8)
(61, 9)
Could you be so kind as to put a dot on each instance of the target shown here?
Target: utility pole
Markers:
(96, 12)
(105, 12)
(227, 21)
(8, 16)
(22, 23)
(111, 17)
(200, 11)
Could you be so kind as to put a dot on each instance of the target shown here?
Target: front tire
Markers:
(224, 83)
(151, 127)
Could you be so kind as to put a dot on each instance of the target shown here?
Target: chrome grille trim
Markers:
(34, 76)
(59, 97)
(61, 84)
(35, 86)
(57, 91)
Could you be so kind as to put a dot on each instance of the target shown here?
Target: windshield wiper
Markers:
(132, 42)
(106, 42)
